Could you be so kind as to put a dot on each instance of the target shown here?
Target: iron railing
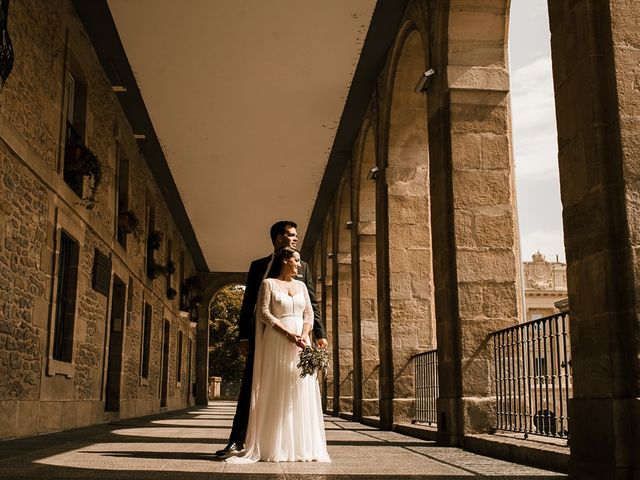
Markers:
(426, 387)
(533, 377)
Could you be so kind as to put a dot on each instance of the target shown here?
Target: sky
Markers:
(534, 131)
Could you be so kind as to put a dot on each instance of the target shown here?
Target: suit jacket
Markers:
(254, 280)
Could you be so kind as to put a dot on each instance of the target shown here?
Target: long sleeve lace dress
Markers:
(285, 418)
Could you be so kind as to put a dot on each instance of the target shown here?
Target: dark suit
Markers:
(247, 332)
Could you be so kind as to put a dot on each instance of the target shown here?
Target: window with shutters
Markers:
(65, 310)
(146, 340)
(179, 358)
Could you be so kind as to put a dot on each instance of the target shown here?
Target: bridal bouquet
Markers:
(312, 360)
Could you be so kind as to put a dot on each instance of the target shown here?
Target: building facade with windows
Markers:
(93, 263)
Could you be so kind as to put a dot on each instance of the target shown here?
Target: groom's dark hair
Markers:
(278, 228)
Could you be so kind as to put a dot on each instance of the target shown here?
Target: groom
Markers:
(283, 234)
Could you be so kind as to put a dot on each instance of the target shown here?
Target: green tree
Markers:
(224, 311)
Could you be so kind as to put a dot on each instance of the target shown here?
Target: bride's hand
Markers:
(304, 340)
(293, 338)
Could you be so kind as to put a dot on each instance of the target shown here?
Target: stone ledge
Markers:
(421, 431)
(371, 421)
(519, 450)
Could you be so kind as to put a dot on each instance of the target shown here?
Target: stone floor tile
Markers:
(180, 445)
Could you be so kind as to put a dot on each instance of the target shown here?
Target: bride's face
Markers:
(292, 264)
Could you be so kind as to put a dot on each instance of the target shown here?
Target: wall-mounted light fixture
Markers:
(330, 255)
(373, 173)
(348, 225)
(424, 80)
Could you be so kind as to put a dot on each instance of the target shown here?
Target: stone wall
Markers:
(37, 393)
(22, 236)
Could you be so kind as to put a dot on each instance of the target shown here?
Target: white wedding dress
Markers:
(285, 417)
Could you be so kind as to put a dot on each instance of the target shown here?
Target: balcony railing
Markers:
(426, 386)
(533, 377)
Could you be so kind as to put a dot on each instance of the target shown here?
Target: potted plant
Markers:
(154, 270)
(80, 162)
(155, 239)
(170, 267)
(128, 223)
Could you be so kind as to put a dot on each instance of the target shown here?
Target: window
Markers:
(74, 152)
(123, 197)
(182, 291)
(540, 366)
(146, 340)
(66, 298)
(179, 357)
(170, 269)
(149, 251)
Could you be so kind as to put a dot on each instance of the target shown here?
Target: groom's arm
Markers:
(309, 280)
(248, 308)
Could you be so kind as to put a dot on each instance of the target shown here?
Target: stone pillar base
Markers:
(346, 404)
(448, 425)
(605, 438)
(370, 407)
(479, 414)
(404, 410)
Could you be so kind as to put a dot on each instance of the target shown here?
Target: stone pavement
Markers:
(179, 445)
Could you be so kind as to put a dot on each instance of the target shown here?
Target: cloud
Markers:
(536, 159)
(534, 122)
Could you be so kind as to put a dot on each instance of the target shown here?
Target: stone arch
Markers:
(343, 292)
(227, 388)
(409, 321)
(209, 284)
(364, 269)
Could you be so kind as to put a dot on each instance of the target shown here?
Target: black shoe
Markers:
(231, 449)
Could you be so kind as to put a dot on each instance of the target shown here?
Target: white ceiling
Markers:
(245, 97)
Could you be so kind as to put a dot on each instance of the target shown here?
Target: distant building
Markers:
(545, 287)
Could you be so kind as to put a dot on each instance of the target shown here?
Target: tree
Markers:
(224, 312)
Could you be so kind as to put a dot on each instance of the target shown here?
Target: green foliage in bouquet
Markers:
(312, 360)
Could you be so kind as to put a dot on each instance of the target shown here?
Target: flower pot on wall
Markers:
(128, 223)
(154, 270)
(155, 239)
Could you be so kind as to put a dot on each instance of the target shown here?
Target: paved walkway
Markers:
(179, 445)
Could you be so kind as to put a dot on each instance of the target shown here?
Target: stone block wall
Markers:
(37, 394)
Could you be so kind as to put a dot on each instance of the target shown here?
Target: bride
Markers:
(285, 417)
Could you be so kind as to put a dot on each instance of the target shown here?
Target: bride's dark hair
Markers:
(279, 257)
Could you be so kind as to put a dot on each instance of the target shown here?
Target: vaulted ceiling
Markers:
(245, 98)
(247, 110)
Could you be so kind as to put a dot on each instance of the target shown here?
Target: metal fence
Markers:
(426, 385)
(533, 377)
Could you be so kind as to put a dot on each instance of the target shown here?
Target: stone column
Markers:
(333, 376)
(364, 278)
(368, 317)
(596, 54)
(202, 355)
(477, 272)
(342, 260)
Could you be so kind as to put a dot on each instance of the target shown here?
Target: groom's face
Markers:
(288, 239)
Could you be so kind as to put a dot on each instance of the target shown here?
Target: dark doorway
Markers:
(116, 337)
(165, 363)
